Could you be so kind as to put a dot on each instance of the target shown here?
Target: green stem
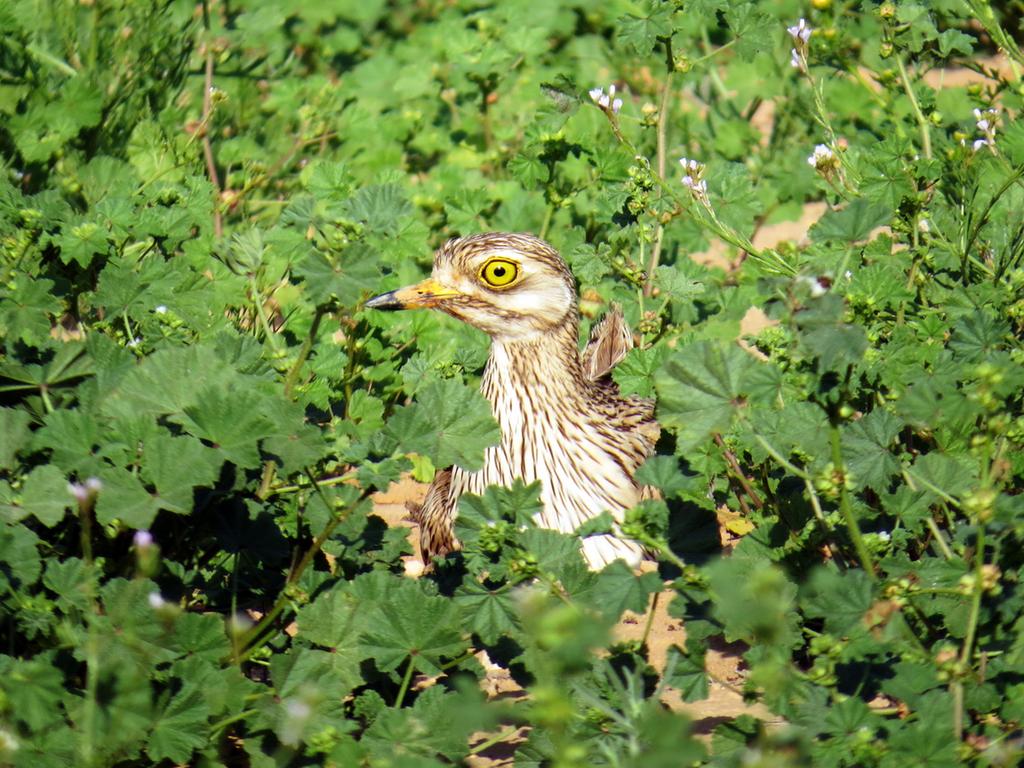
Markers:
(92, 654)
(249, 640)
(859, 546)
(982, 11)
(220, 725)
(322, 483)
(650, 619)
(496, 739)
(406, 679)
(940, 541)
(257, 302)
(922, 121)
(704, 215)
(307, 346)
(662, 132)
(787, 465)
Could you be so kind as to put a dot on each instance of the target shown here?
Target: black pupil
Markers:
(499, 271)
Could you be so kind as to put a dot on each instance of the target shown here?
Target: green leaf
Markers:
(19, 557)
(754, 29)
(465, 210)
(590, 262)
(45, 495)
(33, 690)
(955, 40)
(977, 335)
(518, 504)
(841, 598)
(180, 728)
(617, 590)
(701, 389)
(685, 672)
(489, 613)
(850, 224)
(664, 473)
(232, 421)
(641, 33)
(14, 434)
(449, 422)
(673, 282)
(380, 208)
(412, 625)
(438, 723)
(25, 308)
(834, 342)
(335, 621)
(176, 466)
(70, 580)
(126, 500)
(348, 277)
(866, 451)
(635, 373)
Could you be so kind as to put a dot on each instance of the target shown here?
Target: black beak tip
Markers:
(384, 301)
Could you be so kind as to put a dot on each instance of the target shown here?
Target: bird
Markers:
(563, 420)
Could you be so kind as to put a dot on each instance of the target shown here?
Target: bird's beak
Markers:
(427, 294)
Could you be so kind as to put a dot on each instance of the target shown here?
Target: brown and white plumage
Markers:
(562, 419)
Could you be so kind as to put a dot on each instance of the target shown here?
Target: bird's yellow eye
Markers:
(499, 273)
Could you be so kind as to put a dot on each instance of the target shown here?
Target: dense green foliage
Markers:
(196, 199)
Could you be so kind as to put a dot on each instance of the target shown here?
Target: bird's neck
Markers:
(545, 365)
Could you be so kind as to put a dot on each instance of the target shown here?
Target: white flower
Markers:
(698, 186)
(800, 32)
(986, 119)
(161, 309)
(821, 157)
(142, 539)
(297, 708)
(923, 226)
(606, 101)
(8, 742)
(816, 287)
(87, 490)
(156, 601)
(693, 179)
(885, 535)
(135, 342)
(979, 143)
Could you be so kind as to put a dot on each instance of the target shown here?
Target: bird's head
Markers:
(511, 286)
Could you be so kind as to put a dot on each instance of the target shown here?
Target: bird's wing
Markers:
(610, 340)
(435, 517)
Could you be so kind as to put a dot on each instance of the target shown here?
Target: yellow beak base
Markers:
(425, 295)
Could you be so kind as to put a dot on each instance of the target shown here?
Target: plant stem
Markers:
(307, 346)
(92, 655)
(922, 121)
(249, 640)
(406, 679)
(937, 536)
(737, 471)
(650, 618)
(662, 130)
(211, 164)
(863, 554)
(496, 739)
